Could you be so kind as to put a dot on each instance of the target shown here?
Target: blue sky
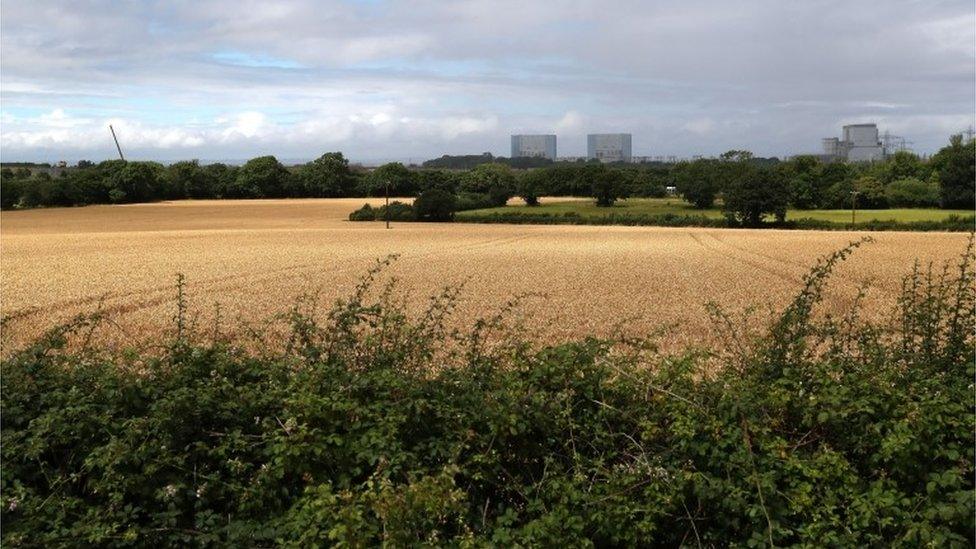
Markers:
(414, 80)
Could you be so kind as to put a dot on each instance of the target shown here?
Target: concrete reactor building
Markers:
(859, 143)
(534, 146)
(609, 147)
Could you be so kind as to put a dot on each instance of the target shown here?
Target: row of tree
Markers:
(946, 180)
(117, 181)
(329, 176)
(748, 187)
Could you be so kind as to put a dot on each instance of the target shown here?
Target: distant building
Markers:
(858, 143)
(609, 147)
(534, 146)
(832, 149)
(862, 143)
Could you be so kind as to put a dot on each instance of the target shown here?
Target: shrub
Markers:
(375, 426)
(435, 205)
(871, 193)
(399, 211)
(913, 193)
(473, 201)
(366, 213)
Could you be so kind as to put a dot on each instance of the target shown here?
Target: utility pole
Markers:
(853, 204)
(111, 129)
(387, 203)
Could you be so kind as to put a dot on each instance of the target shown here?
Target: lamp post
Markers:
(387, 203)
(853, 204)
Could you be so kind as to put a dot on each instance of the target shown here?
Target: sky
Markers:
(383, 80)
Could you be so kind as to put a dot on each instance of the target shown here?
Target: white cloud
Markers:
(378, 47)
(247, 125)
(429, 77)
(571, 122)
(245, 130)
(700, 126)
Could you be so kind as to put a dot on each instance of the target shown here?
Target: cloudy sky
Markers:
(413, 80)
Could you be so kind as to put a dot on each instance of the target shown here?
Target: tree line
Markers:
(750, 191)
(748, 188)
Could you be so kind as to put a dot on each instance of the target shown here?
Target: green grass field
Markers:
(660, 206)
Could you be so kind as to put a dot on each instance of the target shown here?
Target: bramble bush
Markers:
(373, 426)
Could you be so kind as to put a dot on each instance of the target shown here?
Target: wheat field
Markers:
(254, 258)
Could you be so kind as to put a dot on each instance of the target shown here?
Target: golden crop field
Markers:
(256, 257)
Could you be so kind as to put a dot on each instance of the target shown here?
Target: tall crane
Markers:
(111, 129)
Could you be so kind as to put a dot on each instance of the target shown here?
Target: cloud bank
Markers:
(378, 79)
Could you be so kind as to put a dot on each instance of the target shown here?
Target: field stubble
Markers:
(255, 258)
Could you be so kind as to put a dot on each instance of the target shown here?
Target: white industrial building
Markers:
(534, 146)
(609, 147)
(859, 143)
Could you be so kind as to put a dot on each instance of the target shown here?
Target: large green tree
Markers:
(136, 182)
(223, 178)
(903, 165)
(607, 185)
(956, 166)
(806, 182)
(261, 177)
(754, 193)
(698, 181)
(649, 183)
(401, 180)
(494, 180)
(327, 176)
(190, 180)
(438, 179)
(531, 183)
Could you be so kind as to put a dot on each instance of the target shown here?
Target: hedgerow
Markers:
(373, 426)
(953, 223)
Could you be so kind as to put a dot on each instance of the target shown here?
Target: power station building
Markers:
(534, 146)
(609, 147)
(859, 143)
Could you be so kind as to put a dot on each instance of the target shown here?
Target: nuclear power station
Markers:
(605, 147)
(534, 146)
(859, 143)
(609, 147)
